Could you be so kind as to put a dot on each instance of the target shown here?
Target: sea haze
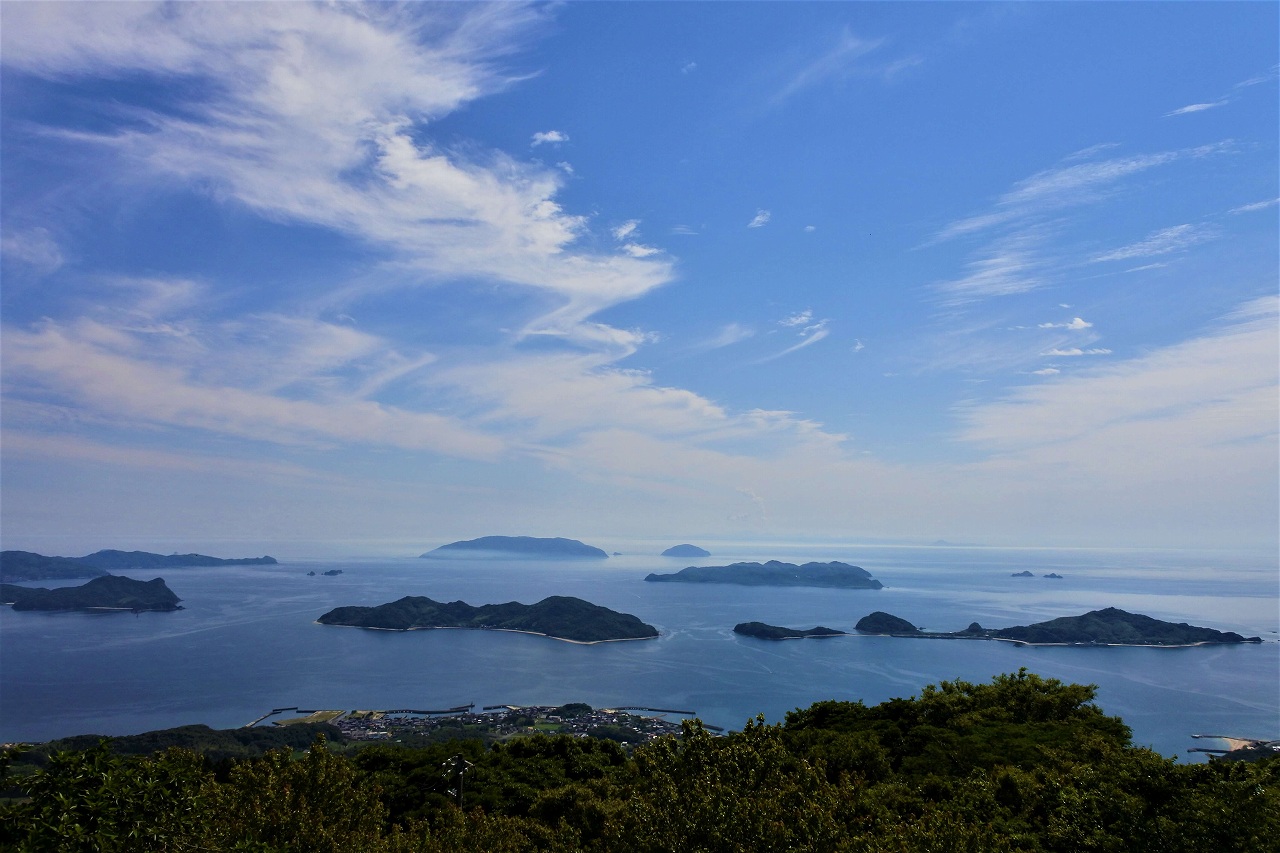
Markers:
(247, 641)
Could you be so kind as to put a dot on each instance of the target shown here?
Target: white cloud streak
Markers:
(317, 115)
(761, 218)
(1197, 108)
(1256, 206)
(1178, 238)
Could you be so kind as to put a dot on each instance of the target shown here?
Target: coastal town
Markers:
(628, 726)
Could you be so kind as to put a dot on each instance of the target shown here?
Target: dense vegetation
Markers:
(110, 591)
(833, 575)
(1107, 626)
(761, 631)
(1020, 764)
(561, 616)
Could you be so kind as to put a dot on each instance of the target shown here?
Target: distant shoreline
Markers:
(505, 630)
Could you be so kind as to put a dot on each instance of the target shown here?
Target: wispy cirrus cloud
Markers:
(844, 57)
(810, 331)
(316, 114)
(761, 218)
(1010, 265)
(1069, 184)
(1177, 238)
(729, 335)
(1197, 108)
(1255, 206)
(1225, 99)
(1074, 352)
(35, 248)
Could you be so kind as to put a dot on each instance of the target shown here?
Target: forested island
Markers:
(835, 575)
(1022, 763)
(29, 566)
(685, 551)
(761, 631)
(527, 547)
(561, 617)
(110, 592)
(1108, 627)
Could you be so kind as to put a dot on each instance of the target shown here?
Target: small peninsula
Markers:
(559, 616)
(1107, 627)
(761, 631)
(834, 575)
(110, 592)
(526, 547)
(685, 551)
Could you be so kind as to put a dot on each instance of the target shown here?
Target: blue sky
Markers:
(317, 277)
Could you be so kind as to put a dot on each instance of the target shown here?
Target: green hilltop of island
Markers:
(109, 592)
(835, 575)
(526, 547)
(761, 631)
(560, 617)
(16, 566)
(1109, 626)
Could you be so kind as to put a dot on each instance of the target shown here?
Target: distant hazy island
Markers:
(29, 566)
(1107, 627)
(762, 631)
(561, 617)
(686, 551)
(528, 547)
(110, 592)
(773, 573)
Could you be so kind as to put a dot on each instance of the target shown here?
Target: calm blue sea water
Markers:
(247, 642)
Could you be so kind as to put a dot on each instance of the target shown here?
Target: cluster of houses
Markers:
(507, 720)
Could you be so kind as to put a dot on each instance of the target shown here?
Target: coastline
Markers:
(506, 630)
(1060, 645)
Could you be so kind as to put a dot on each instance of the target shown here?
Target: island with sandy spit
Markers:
(835, 575)
(110, 592)
(761, 631)
(685, 551)
(526, 547)
(560, 617)
(1108, 627)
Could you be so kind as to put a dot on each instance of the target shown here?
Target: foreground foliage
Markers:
(1020, 764)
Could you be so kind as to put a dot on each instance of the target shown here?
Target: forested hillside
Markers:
(1020, 764)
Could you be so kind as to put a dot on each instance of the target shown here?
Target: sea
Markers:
(247, 641)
